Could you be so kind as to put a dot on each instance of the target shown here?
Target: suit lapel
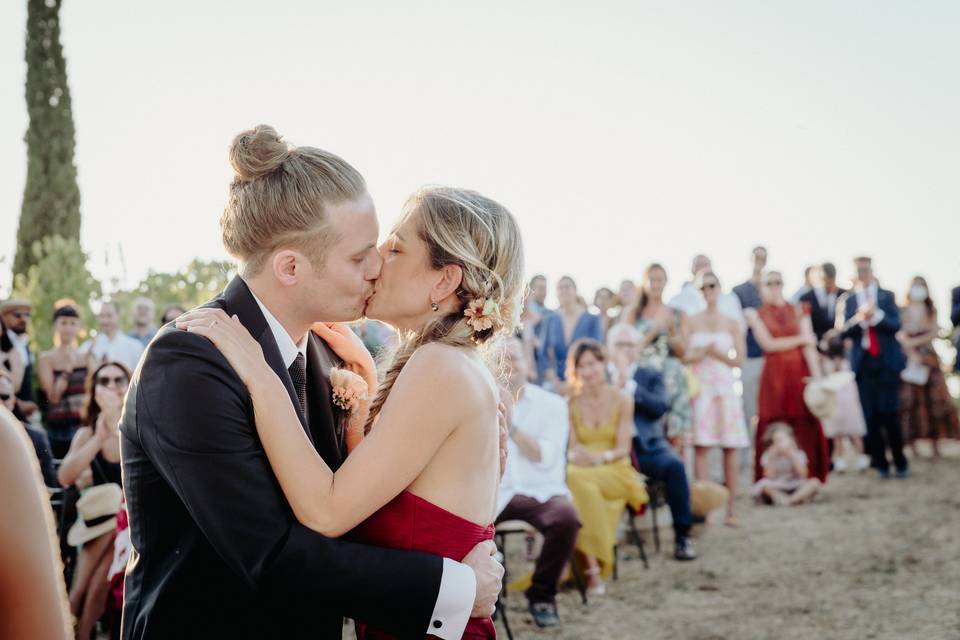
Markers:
(323, 419)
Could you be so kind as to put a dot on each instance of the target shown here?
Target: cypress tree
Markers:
(51, 197)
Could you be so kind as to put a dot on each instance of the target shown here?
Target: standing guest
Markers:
(111, 345)
(41, 445)
(785, 480)
(96, 447)
(11, 362)
(663, 331)
(533, 488)
(748, 292)
(955, 320)
(600, 476)
(32, 596)
(535, 312)
(926, 407)
(872, 320)
(605, 301)
(655, 458)
(16, 317)
(171, 313)
(627, 295)
(717, 412)
(144, 329)
(846, 420)
(786, 335)
(691, 302)
(568, 324)
(63, 375)
(822, 301)
(808, 284)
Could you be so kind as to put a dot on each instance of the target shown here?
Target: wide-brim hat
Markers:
(819, 398)
(97, 512)
(14, 303)
(706, 497)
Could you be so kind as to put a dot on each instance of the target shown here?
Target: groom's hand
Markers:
(489, 574)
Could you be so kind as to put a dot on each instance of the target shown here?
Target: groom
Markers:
(217, 550)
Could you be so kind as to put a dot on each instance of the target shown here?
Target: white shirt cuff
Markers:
(458, 589)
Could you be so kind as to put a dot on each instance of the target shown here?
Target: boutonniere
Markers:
(349, 389)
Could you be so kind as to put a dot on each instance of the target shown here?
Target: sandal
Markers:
(599, 587)
(732, 522)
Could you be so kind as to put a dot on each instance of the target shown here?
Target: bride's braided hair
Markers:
(481, 236)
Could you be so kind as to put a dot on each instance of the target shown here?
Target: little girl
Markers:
(784, 480)
(847, 417)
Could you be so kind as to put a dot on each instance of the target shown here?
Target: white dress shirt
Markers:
(20, 343)
(543, 416)
(458, 584)
(121, 348)
(691, 302)
(865, 295)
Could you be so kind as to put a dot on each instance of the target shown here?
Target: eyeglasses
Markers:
(20, 315)
(773, 283)
(4, 397)
(105, 381)
(708, 285)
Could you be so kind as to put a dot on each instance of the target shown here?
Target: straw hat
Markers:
(96, 513)
(14, 303)
(707, 496)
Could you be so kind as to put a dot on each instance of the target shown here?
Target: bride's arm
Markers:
(428, 401)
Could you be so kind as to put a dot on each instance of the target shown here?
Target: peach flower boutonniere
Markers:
(349, 390)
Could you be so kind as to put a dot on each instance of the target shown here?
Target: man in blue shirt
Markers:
(749, 294)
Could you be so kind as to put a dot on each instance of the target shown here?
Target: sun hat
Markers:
(97, 512)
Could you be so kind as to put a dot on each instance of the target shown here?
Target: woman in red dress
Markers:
(786, 335)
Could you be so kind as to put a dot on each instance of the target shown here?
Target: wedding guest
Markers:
(846, 421)
(627, 294)
(808, 284)
(655, 458)
(96, 447)
(822, 300)
(605, 301)
(41, 445)
(785, 480)
(786, 335)
(11, 362)
(63, 375)
(110, 344)
(143, 321)
(535, 313)
(716, 345)
(872, 320)
(171, 313)
(16, 318)
(955, 320)
(32, 595)
(927, 411)
(561, 329)
(748, 292)
(691, 302)
(662, 345)
(533, 488)
(600, 475)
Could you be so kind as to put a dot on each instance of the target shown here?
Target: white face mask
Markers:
(918, 292)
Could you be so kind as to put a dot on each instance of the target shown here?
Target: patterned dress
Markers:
(679, 420)
(64, 417)
(718, 412)
(927, 411)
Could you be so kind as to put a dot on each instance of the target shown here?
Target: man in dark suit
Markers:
(16, 318)
(823, 300)
(872, 321)
(218, 552)
(955, 319)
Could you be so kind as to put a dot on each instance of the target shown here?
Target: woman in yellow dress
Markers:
(600, 476)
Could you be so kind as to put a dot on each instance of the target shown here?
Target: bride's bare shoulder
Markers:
(443, 366)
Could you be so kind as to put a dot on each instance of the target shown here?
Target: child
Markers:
(784, 480)
(847, 417)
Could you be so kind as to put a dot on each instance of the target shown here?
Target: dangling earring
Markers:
(434, 307)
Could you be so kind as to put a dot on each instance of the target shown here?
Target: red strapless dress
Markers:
(410, 522)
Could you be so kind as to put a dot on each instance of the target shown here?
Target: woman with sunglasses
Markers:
(785, 333)
(63, 375)
(96, 447)
(717, 411)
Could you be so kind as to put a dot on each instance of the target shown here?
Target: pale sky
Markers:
(618, 133)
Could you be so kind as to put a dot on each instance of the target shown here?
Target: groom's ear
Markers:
(451, 276)
(287, 266)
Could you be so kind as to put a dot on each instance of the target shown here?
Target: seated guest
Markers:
(533, 488)
(111, 344)
(600, 476)
(785, 480)
(39, 440)
(143, 321)
(96, 447)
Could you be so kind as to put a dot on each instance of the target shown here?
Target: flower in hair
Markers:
(349, 389)
(482, 314)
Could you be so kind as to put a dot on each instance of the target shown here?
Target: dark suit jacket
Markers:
(955, 306)
(891, 355)
(819, 314)
(218, 552)
(650, 403)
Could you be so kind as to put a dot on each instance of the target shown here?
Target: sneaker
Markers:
(863, 462)
(684, 550)
(544, 614)
(903, 474)
(839, 465)
(884, 474)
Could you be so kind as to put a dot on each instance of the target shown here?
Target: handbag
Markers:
(915, 373)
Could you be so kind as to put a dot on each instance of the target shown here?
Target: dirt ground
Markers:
(869, 559)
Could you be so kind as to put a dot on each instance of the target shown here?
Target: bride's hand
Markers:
(350, 348)
(229, 336)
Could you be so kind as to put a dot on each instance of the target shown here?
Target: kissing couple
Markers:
(248, 518)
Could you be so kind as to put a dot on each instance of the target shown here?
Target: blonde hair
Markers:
(481, 236)
(278, 198)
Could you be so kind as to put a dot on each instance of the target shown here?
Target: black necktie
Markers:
(298, 373)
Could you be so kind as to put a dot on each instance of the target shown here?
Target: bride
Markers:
(424, 458)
